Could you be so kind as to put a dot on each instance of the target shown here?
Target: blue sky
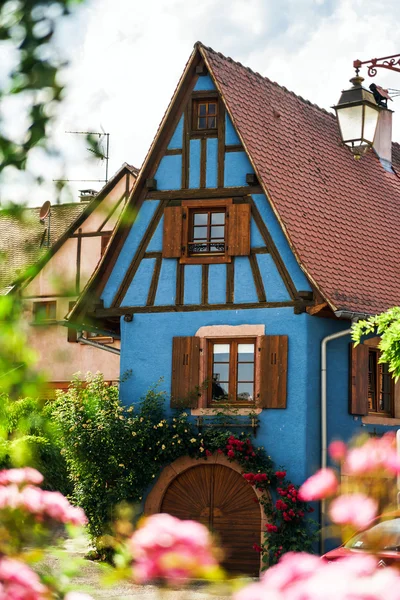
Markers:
(126, 57)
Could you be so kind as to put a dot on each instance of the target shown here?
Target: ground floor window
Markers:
(231, 374)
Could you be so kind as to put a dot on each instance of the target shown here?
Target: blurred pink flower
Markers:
(375, 455)
(321, 485)
(172, 550)
(337, 450)
(20, 476)
(357, 510)
(19, 582)
(37, 502)
(299, 576)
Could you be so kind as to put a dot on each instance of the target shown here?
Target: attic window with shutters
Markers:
(206, 231)
(205, 115)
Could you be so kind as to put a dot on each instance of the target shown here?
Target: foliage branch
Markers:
(387, 326)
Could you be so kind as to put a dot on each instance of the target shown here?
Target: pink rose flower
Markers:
(19, 582)
(337, 450)
(299, 576)
(376, 455)
(20, 476)
(172, 550)
(353, 509)
(321, 485)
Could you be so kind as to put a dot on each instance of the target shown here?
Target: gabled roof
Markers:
(23, 237)
(339, 215)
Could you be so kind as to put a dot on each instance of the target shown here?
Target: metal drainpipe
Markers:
(83, 340)
(324, 343)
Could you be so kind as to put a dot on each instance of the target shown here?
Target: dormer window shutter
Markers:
(239, 230)
(185, 372)
(358, 396)
(273, 359)
(172, 232)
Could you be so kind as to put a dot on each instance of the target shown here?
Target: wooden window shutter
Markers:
(239, 230)
(172, 233)
(358, 396)
(273, 357)
(185, 372)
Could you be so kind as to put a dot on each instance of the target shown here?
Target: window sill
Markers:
(205, 260)
(44, 323)
(240, 412)
(376, 420)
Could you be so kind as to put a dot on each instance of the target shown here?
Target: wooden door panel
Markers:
(220, 498)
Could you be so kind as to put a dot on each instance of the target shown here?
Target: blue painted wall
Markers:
(149, 338)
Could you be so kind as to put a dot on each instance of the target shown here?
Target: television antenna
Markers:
(44, 214)
(99, 153)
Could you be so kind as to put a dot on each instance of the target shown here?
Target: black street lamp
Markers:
(357, 113)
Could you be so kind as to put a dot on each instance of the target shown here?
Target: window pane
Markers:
(212, 122)
(202, 110)
(212, 109)
(199, 233)
(246, 372)
(221, 372)
(245, 352)
(372, 380)
(202, 123)
(200, 218)
(218, 218)
(245, 392)
(221, 352)
(217, 232)
(220, 390)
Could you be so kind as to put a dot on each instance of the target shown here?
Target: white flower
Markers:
(201, 449)
(134, 433)
(163, 447)
(193, 440)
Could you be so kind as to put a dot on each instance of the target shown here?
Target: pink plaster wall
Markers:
(56, 357)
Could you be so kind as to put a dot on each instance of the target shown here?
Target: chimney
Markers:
(87, 195)
(383, 138)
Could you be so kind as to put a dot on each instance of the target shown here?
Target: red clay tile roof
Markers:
(341, 216)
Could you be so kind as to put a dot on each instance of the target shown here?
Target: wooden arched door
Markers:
(220, 498)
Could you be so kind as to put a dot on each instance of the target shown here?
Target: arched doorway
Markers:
(216, 495)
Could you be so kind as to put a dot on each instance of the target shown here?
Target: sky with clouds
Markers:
(126, 56)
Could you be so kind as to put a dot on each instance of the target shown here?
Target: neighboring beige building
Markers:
(49, 262)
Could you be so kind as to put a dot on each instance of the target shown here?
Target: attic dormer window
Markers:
(205, 114)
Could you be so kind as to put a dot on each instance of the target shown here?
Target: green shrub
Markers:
(114, 452)
(29, 438)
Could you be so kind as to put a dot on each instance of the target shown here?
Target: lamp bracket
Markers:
(386, 62)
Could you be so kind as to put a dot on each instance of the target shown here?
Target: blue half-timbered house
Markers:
(250, 237)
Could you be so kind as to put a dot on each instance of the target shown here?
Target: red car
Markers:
(382, 538)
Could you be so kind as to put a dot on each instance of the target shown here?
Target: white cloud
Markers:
(127, 56)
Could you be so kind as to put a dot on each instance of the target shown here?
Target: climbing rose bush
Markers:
(167, 550)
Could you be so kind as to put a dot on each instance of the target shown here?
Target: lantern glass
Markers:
(351, 122)
(370, 123)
